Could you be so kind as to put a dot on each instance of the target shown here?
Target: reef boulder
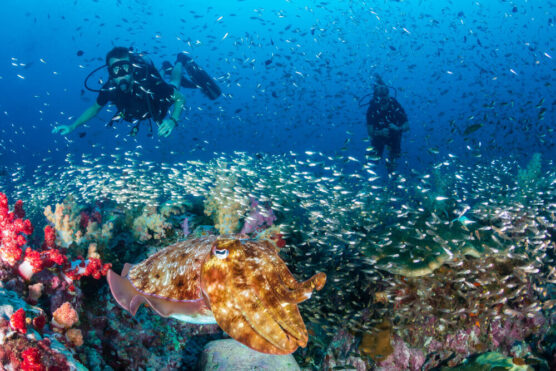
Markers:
(230, 355)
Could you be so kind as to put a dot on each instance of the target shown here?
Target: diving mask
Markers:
(119, 69)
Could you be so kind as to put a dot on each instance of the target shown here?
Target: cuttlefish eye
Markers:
(221, 254)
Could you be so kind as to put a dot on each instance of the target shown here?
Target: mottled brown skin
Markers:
(174, 272)
(244, 283)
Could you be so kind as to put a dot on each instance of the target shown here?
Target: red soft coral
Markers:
(39, 322)
(96, 269)
(12, 228)
(32, 263)
(31, 360)
(17, 321)
(49, 237)
(92, 267)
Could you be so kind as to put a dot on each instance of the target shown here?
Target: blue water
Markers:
(447, 62)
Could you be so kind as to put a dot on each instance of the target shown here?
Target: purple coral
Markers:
(259, 218)
(185, 227)
(403, 357)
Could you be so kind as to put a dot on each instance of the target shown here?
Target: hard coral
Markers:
(403, 358)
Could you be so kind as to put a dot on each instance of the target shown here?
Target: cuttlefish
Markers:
(241, 284)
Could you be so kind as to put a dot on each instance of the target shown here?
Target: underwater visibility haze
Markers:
(283, 185)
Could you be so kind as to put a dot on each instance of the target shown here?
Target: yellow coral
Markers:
(66, 220)
(150, 225)
(75, 336)
(225, 205)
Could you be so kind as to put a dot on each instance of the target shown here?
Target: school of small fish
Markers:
(351, 224)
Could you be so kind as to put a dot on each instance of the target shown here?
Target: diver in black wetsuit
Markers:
(138, 91)
(386, 121)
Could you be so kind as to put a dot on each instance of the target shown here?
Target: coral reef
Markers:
(42, 270)
(528, 176)
(115, 339)
(25, 344)
(75, 228)
(150, 225)
(466, 306)
(224, 205)
(260, 217)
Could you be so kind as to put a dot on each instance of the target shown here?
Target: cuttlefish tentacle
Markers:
(290, 289)
(303, 291)
(261, 320)
(252, 299)
(284, 313)
(286, 276)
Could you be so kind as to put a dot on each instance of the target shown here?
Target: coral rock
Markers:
(230, 355)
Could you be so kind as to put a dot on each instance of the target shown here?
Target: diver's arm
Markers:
(179, 103)
(166, 127)
(401, 128)
(85, 116)
(89, 113)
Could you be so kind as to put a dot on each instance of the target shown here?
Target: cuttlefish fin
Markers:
(131, 299)
(121, 289)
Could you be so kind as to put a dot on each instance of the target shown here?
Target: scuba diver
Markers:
(140, 93)
(386, 121)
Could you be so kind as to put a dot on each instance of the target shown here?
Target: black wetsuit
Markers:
(149, 97)
(380, 119)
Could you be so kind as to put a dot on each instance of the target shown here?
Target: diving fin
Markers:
(188, 84)
(199, 77)
(167, 68)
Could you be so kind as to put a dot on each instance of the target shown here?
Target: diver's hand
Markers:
(63, 129)
(394, 127)
(382, 132)
(165, 129)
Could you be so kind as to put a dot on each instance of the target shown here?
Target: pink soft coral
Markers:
(65, 316)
